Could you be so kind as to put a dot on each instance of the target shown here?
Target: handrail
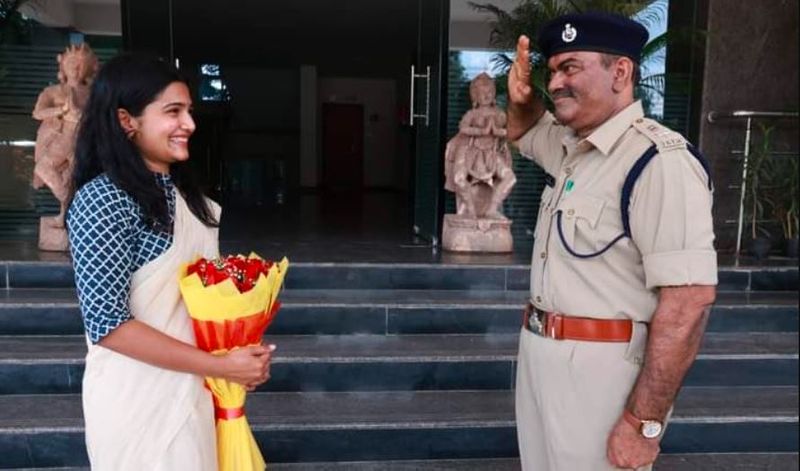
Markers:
(714, 116)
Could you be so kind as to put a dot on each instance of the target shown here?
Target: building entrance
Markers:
(309, 114)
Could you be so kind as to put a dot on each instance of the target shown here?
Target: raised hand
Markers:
(519, 78)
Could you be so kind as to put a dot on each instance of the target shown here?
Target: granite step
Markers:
(727, 462)
(666, 462)
(46, 274)
(342, 312)
(54, 364)
(47, 430)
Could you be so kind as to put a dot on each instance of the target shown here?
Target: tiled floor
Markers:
(321, 250)
(373, 227)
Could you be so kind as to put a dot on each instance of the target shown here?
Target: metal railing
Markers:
(749, 116)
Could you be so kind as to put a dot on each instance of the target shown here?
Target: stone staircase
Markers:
(411, 367)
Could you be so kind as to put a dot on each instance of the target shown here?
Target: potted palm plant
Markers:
(790, 215)
(772, 197)
(759, 198)
(784, 200)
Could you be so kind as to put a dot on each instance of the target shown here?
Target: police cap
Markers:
(593, 31)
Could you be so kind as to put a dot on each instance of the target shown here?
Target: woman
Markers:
(134, 219)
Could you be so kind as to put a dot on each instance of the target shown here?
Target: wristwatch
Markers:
(647, 428)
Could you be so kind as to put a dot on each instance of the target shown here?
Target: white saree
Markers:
(142, 417)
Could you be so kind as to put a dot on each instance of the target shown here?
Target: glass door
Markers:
(428, 116)
(280, 64)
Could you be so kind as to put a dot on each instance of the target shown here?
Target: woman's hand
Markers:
(248, 366)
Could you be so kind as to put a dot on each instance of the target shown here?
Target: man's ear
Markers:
(128, 123)
(623, 73)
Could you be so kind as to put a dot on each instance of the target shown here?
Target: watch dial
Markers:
(651, 429)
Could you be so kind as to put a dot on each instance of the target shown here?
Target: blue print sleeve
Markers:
(102, 246)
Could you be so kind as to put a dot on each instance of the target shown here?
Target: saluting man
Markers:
(624, 269)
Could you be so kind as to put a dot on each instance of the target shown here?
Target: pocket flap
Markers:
(588, 208)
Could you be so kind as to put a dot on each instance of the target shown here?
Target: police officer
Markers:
(620, 288)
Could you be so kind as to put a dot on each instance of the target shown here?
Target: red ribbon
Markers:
(228, 414)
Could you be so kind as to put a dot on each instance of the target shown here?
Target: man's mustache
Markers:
(562, 93)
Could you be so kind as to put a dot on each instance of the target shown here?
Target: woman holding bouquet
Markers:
(134, 219)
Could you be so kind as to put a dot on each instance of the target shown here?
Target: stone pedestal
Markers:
(53, 234)
(463, 234)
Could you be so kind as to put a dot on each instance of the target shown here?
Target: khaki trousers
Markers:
(569, 395)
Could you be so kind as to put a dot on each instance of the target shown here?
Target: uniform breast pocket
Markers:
(577, 219)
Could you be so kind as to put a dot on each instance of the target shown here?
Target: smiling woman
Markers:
(162, 131)
(134, 219)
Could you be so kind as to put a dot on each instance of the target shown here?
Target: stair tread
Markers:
(498, 464)
(727, 462)
(396, 297)
(398, 348)
(413, 409)
(666, 462)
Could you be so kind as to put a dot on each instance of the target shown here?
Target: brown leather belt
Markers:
(560, 327)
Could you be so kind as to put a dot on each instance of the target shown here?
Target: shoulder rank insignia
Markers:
(664, 138)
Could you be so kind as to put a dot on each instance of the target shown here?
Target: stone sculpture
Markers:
(478, 170)
(59, 109)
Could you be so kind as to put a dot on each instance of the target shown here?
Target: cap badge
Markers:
(569, 34)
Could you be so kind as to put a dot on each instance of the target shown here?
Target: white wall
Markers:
(378, 97)
(54, 13)
(98, 19)
(89, 17)
(470, 35)
(469, 28)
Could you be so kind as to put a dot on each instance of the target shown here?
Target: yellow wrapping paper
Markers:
(211, 307)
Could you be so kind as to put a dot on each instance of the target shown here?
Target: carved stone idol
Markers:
(478, 170)
(59, 109)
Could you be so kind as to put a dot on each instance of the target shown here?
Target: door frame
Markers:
(432, 51)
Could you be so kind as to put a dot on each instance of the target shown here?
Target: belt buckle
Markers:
(535, 323)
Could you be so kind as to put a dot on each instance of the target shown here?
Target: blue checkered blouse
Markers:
(109, 241)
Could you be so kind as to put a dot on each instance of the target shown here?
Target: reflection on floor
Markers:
(337, 227)
(369, 227)
(345, 215)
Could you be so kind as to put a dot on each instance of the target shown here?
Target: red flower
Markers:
(243, 271)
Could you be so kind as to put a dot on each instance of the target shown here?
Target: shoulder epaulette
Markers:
(664, 138)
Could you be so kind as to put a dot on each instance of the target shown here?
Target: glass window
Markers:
(212, 86)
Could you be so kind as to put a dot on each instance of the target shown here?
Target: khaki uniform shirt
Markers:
(671, 241)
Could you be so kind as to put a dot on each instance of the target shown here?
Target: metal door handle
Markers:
(427, 77)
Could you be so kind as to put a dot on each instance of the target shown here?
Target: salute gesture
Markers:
(524, 108)
(519, 78)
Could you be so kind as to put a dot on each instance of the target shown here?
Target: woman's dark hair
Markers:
(131, 82)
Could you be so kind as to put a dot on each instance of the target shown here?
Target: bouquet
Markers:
(231, 301)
